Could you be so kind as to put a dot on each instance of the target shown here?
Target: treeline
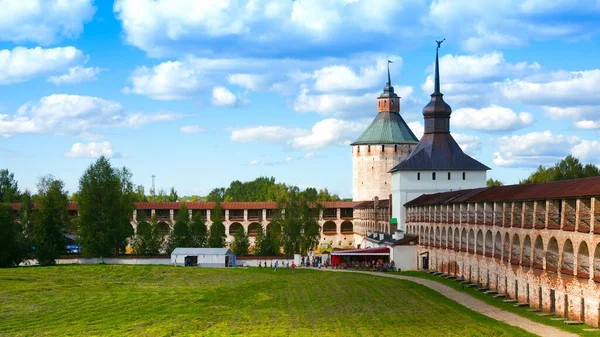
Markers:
(106, 197)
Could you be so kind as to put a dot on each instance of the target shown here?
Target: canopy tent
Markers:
(347, 256)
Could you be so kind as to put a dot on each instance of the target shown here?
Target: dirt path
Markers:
(477, 305)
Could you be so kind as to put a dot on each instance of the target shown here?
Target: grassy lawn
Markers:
(120, 300)
(578, 329)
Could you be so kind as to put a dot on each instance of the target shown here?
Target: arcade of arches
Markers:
(550, 261)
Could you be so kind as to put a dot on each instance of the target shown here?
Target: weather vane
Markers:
(439, 43)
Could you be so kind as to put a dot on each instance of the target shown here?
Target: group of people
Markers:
(316, 262)
(276, 265)
(378, 265)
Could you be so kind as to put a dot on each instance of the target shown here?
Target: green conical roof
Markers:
(387, 128)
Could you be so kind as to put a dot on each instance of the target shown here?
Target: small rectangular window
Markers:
(464, 175)
(382, 148)
(448, 175)
(418, 175)
(433, 176)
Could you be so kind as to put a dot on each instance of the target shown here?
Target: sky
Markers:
(200, 93)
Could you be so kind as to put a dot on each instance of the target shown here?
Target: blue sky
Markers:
(201, 93)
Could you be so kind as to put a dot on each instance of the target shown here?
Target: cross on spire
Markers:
(436, 90)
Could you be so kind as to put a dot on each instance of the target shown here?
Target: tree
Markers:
(198, 231)
(180, 236)
(147, 240)
(50, 221)
(568, 168)
(241, 243)
(105, 207)
(173, 197)
(12, 247)
(300, 230)
(258, 241)
(217, 235)
(9, 188)
(140, 194)
(493, 182)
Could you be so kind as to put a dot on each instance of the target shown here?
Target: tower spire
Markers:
(436, 90)
(389, 82)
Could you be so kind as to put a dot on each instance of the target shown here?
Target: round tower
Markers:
(384, 144)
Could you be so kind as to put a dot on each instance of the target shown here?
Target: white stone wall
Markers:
(371, 167)
(406, 186)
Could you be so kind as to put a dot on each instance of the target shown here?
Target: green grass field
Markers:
(119, 300)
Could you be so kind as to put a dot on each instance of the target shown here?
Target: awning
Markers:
(363, 252)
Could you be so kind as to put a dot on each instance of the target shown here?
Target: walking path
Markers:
(476, 305)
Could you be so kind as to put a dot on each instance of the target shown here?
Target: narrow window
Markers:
(382, 148)
(368, 148)
(358, 147)
(418, 175)
(448, 175)
(464, 175)
(432, 175)
(392, 103)
(395, 148)
(384, 103)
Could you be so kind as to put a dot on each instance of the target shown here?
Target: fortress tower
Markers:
(384, 144)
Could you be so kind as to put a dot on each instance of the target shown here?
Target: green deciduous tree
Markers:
(180, 235)
(568, 168)
(9, 188)
(493, 182)
(147, 240)
(173, 197)
(50, 221)
(217, 235)
(12, 243)
(241, 243)
(300, 230)
(198, 231)
(105, 206)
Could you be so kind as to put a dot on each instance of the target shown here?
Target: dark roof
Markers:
(406, 240)
(438, 151)
(573, 188)
(367, 251)
(387, 128)
(382, 203)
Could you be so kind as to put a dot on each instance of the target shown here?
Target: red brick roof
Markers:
(573, 188)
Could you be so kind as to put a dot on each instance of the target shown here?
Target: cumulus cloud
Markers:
(533, 149)
(342, 77)
(491, 119)
(91, 150)
(161, 27)
(269, 134)
(21, 64)
(189, 129)
(74, 115)
(170, 80)
(76, 75)
(330, 131)
(222, 96)
(588, 151)
(43, 21)
(250, 82)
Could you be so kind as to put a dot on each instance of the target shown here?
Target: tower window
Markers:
(368, 148)
(448, 175)
(464, 175)
(384, 103)
(358, 149)
(382, 148)
(392, 103)
(395, 148)
(418, 175)
(432, 175)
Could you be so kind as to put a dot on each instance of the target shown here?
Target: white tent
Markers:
(203, 257)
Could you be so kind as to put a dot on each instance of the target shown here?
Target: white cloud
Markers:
(73, 114)
(337, 78)
(222, 96)
(587, 124)
(253, 162)
(587, 151)
(309, 155)
(491, 119)
(167, 26)
(43, 21)
(189, 129)
(90, 150)
(269, 134)
(251, 82)
(76, 75)
(533, 149)
(579, 88)
(330, 131)
(21, 64)
(170, 80)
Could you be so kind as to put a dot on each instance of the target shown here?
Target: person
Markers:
(293, 267)
(276, 263)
